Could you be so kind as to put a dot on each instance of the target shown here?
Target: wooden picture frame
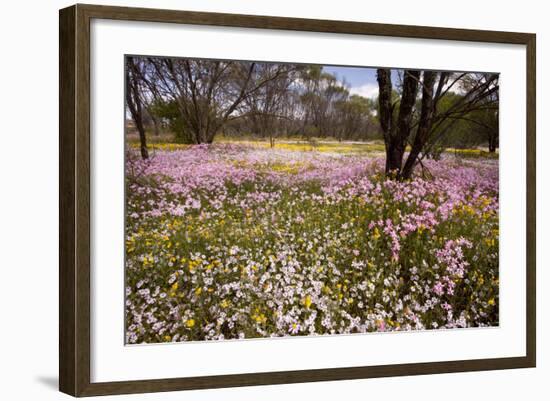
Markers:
(74, 204)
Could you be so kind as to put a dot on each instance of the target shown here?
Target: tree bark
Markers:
(155, 125)
(385, 109)
(396, 133)
(133, 101)
(424, 125)
(408, 99)
(492, 144)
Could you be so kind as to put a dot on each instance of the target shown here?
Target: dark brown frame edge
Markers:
(74, 199)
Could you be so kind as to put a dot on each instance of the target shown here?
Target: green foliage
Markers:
(466, 131)
(169, 111)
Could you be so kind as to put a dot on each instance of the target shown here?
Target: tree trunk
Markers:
(155, 125)
(493, 142)
(396, 133)
(142, 139)
(133, 101)
(385, 110)
(394, 159)
(424, 125)
(208, 133)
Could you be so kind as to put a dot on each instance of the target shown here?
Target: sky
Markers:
(362, 80)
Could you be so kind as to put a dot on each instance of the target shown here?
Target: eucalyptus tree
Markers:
(353, 118)
(319, 93)
(271, 105)
(420, 124)
(134, 99)
(208, 93)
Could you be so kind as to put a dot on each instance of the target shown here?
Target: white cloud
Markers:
(368, 90)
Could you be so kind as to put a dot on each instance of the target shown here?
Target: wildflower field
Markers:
(229, 241)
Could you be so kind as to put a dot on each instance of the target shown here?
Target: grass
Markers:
(165, 143)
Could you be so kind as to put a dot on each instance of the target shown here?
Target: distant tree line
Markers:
(198, 99)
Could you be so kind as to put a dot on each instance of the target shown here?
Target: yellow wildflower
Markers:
(307, 301)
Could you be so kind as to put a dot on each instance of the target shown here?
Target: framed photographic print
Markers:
(250, 200)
